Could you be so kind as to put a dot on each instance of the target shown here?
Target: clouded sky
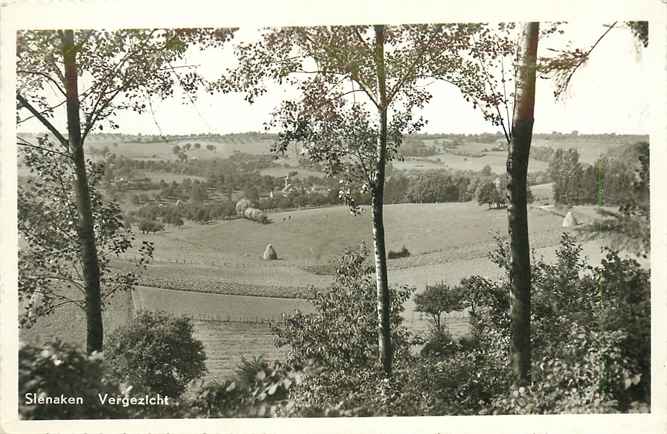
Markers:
(609, 94)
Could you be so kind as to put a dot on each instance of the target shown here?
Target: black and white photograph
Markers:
(284, 219)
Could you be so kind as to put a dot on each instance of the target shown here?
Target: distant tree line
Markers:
(213, 198)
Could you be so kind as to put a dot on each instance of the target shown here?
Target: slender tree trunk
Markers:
(382, 285)
(517, 213)
(87, 247)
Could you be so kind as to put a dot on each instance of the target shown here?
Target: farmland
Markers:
(214, 272)
(447, 241)
(68, 322)
(425, 229)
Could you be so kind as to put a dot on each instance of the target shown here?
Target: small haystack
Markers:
(255, 214)
(269, 253)
(242, 205)
(569, 221)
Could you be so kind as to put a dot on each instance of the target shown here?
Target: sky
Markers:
(609, 94)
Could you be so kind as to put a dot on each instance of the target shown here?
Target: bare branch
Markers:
(42, 112)
(583, 59)
(43, 120)
(27, 144)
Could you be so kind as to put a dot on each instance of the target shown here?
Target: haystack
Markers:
(569, 221)
(255, 214)
(269, 253)
(242, 205)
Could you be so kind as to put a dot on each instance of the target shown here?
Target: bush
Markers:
(339, 341)
(259, 389)
(437, 300)
(590, 327)
(60, 368)
(150, 226)
(403, 253)
(590, 341)
(156, 353)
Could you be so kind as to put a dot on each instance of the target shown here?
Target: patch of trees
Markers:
(443, 186)
(416, 148)
(494, 193)
(174, 214)
(607, 182)
(542, 153)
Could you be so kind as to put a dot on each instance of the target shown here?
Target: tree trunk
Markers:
(517, 213)
(382, 285)
(87, 247)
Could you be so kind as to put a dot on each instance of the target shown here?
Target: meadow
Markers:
(163, 149)
(68, 323)
(244, 294)
(431, 232)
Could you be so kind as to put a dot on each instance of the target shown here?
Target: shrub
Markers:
(259, 389)
(150, 226)
(590, 341)
(437, 300)
(403, 253)
(60, 368)
(339, 340)
(590, 326)
(156, 353)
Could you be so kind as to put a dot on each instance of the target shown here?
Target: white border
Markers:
(123, 13)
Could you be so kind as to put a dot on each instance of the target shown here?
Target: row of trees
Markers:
(607, 182)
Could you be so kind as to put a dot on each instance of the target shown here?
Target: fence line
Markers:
(203, 316)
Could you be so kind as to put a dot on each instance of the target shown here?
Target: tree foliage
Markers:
(59, 368)
(156, 353)
(437, 300)
(121, 69)
(339, 339)
(49, 271)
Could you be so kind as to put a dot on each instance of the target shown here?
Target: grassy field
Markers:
(163, 150)
(589, 148)
(451, 230)
(68, 323)
(226, 344)
(217, 307)
(495, 159)
(225, 257)
(230, 326)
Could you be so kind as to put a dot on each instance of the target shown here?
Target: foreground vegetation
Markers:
(591, 345)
